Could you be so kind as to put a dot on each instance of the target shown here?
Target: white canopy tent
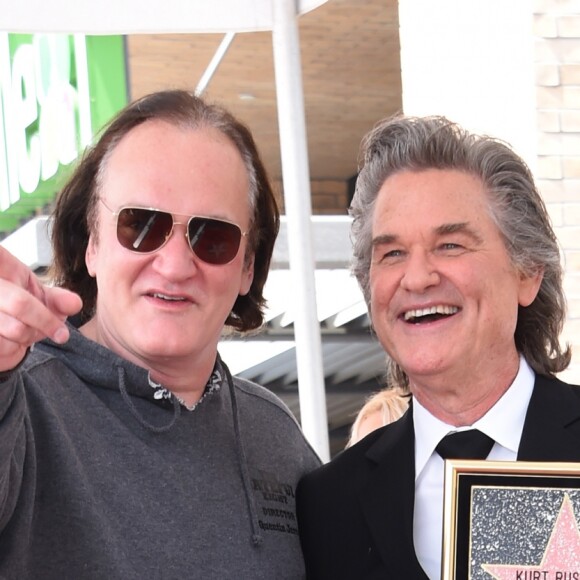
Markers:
(180, 16)
(148, 16)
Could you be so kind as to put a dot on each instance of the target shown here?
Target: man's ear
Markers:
(529, 287)
(91, 256)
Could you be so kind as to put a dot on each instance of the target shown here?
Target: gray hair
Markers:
(420, 143)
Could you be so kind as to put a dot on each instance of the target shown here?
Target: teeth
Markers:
(432, 310)
(171, 298)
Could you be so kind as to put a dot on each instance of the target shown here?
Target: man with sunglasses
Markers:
(127, 449)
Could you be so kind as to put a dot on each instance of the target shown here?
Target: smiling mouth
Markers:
(430, 314)
(169, 298)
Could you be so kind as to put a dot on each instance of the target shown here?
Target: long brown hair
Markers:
(75, 210)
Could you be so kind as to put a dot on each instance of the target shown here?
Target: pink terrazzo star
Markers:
(562, 553)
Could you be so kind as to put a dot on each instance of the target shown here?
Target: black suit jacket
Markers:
(355, 514)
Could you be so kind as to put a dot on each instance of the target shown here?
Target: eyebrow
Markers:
(384, 239)
(444, 229)
(461, 227)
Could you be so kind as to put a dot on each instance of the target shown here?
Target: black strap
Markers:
(471, 444)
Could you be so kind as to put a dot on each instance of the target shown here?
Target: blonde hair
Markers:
(391, 403)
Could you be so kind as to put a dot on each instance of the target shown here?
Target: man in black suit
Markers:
(460, 268)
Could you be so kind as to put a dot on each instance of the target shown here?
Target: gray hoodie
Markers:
(104, 475)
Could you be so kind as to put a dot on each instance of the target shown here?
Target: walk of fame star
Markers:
(562, 553)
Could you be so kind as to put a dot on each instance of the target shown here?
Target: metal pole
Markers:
(214, 63)
(296, 179)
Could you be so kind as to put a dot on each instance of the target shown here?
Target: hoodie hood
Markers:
(101, 367)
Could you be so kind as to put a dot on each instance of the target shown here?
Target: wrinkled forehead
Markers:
(429, 191)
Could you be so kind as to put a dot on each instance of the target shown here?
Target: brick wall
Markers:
(557, 35)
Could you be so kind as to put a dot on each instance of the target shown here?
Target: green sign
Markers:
(56, 92)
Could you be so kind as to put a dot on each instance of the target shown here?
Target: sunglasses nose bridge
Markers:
(185, 230)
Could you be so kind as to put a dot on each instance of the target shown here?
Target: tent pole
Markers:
(214, 63)
(297, 199)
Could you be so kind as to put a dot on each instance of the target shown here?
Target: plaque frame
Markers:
(465, 477)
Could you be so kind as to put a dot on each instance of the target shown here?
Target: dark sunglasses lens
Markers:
(214, 241)
(143, 230)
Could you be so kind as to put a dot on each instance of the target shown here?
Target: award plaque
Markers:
(511, 520)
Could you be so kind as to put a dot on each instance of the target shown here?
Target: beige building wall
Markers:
(509, 69)
(473, 61)
(329, 196)
(557, 59)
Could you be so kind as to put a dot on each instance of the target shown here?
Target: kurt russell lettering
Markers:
(545, 575)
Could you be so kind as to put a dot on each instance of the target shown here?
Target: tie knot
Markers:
(471, 444)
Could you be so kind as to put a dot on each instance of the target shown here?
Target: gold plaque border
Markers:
(455, 469)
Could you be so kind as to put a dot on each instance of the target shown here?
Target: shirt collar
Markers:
(504, 422)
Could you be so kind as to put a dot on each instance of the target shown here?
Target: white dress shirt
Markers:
(504, 423)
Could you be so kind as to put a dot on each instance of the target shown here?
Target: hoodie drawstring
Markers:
(257, 539)
(138, 416)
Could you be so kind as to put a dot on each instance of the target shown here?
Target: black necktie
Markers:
(471, 444)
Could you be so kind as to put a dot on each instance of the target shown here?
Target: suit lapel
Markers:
(388, 500)
(552, 426)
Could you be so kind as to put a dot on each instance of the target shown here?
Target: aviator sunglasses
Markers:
(145, 230)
